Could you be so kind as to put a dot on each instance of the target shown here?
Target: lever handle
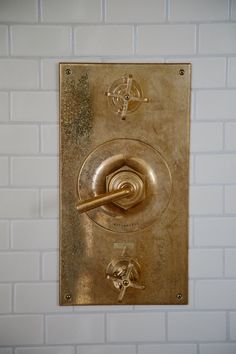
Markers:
(102, 199)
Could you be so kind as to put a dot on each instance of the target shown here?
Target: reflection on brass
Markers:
(125, 95)
(124, 183)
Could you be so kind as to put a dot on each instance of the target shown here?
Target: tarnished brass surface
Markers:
(124, 127)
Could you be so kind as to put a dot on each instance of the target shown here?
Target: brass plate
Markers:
(124, 119)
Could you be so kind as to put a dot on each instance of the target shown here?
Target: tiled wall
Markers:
(34, 36)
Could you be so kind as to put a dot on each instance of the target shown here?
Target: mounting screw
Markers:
(68, 71)
(181, 72)
(68, 297)
(179, 296)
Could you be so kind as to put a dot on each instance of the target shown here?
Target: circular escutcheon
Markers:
(138, 156)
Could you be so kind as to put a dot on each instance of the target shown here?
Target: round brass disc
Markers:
(150, 166)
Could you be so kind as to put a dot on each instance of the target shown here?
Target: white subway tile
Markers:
(4, 110)
(230, 199)
(201, 10)
(205, 200)
(196, 326)
(104, 40)
(20, 266)
(230, 262)
(34, 171)
(49, 203)
(215, 169)
(49, 74)
(217, 38)
(45, 350)
(5, 296)
(19, 11)
(220, 104)
(50, 266)
(232, 72)
(42, 298)
(3, 40)
(215, 294)
(40, 40)
(135, 327)
(233, 10)
(6, 351)
(206, 137)
(49, 139)
(18, 203)
(4, 167)
(19, 139)
(103, 308)
(218, 348)
(34, 234)
(136, 11)
(230, 134)
(85, 328)
(106, 349)
(4, 234)
(233, 326)
(205, 263)
(80, 11)
(167, 349)
(166, 39)
(34, 106)
(19, 74)
(21, 330)
(206, 72)
(215, 231)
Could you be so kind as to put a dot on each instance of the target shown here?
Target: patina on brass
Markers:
(124, 165)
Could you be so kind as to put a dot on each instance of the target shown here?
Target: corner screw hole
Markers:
(68, 71)
(181, 72)
(179, 296)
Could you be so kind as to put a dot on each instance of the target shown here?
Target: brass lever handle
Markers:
(102, 199)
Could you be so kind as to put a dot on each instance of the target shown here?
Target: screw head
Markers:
(125, 283)
(181, 72)
(179, 296)
(68, 71)
(68, 297)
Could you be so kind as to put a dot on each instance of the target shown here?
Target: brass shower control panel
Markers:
(124, 166)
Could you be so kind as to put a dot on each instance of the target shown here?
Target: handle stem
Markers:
(102, 199)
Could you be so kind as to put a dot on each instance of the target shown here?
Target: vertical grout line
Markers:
(224, 270)
(227, 72)
(136, 349)
(166, 326)
(44, 329)
(198, 348)
(39, 11)
(230, 5)
(9, 39)
(135, 35)
(197, 39)
(13, 298)
(103, 11)
(105, 327)
(72, 40)
(167, 11)
(227, 319)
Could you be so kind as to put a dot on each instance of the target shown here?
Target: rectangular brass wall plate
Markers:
(124, 127)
